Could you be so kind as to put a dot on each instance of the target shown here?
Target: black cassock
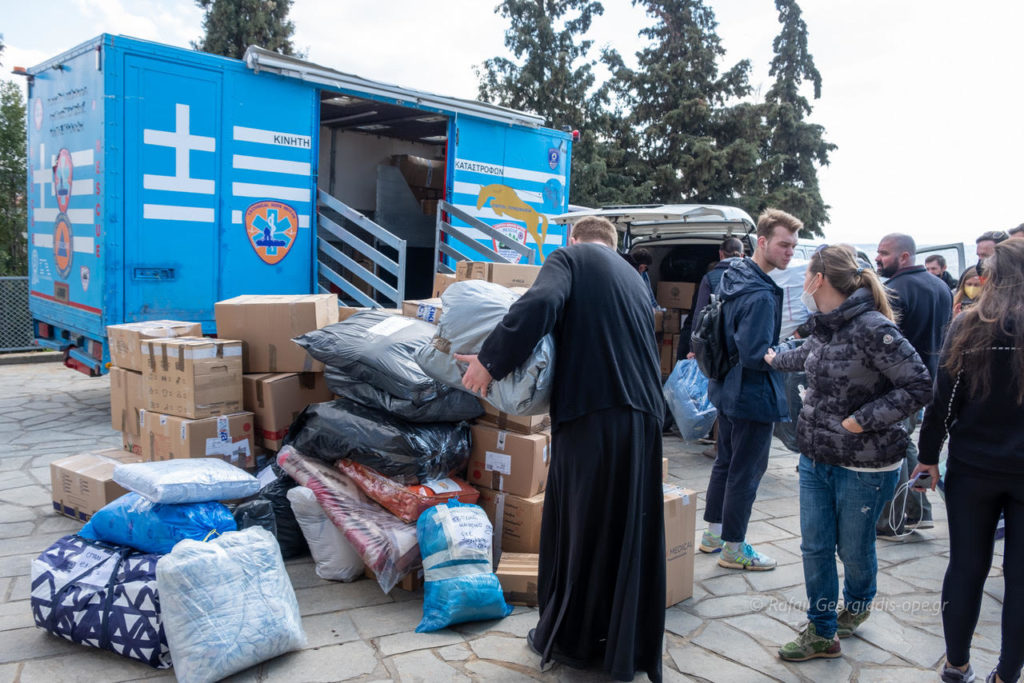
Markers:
(602, 555)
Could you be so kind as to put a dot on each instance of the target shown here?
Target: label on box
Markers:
(163, 420)
(223, 431)
(142, 418)
(498, 462)
(266, 477)
(183, 431)
(445, 485)
(226, 449)
(502, 436)
(390, 326)
(427, 312)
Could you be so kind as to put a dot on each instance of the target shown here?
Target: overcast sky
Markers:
(923, 97)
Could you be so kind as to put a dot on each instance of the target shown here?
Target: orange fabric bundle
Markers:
(407, 502)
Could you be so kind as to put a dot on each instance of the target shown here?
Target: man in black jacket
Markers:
(730, 248)
(936, 265)
(923, 306)
(601, 583)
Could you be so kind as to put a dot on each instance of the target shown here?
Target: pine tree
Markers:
(552, 76)
(231, 26)
(13, 170)
(794, 148)
(674, 97)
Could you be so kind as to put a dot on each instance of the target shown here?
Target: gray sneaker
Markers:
(951, 674)
(847, 622)
(710, 542)
(745, 558)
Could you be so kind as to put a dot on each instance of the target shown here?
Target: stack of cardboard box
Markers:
(676, 298)
(425, 178)
(280, 378)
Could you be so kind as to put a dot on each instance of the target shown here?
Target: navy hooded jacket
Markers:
(752, 304)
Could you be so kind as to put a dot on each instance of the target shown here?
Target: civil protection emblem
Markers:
(516, 233)
(63, 250)
(271, 227)
(62, 172)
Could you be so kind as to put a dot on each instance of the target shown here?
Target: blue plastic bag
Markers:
(686, 393)
(459, 586)
(155, 527)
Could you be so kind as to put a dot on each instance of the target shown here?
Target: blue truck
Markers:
(162, 180)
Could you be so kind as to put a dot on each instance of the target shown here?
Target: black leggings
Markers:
(974, 499)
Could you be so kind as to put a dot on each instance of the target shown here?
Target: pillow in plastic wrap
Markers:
(100, 595)
(155, 527)
(406, 502)
(472, 309)
(186, 480)
(455, 540)
(335, 558)
(405, 451)
(227, 605)
(386, 544)
(450, 405)
(377, 348)
(686, 393)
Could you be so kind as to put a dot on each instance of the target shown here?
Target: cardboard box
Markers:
(508, 461)
(524, 424)
(669, 347)
(680, 528)
(228, 437)
(507, 274)
(84, 483)
(420, 172)
(676, 294)
(127, 398)
(516, 520)
(672, 320)
(517, 573)
(275, 400)
(664, 470)
(659, 321)
(133, 442)
(346, 312)
(423, 309)
(123, 340)
(442, 281)
(193, 376)
(268, 323)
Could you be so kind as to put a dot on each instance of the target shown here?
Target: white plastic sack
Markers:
(186, 480)
(227, 604)
(334, 556)
(472, 309)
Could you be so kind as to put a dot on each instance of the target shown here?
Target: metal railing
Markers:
(331, 256)
(15, 320)
(442, 248)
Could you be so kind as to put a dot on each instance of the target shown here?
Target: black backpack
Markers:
(707, 341)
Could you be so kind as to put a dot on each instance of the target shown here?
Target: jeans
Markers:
(918, 506)
(741, 462)
(838, 508)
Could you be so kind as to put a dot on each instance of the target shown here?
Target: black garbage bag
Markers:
(409, 452)
(786, 431)
(378, 348)
(287, 531)
(450, 405)
(255, 512)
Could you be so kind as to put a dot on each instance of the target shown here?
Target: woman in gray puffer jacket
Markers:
(863, 379)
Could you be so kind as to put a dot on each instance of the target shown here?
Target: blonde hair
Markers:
(839, 265)
(595, 229)
(770, 218)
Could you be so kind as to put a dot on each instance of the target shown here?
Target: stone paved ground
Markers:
(728, 631)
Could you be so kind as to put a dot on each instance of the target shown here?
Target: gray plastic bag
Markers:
(472, 309)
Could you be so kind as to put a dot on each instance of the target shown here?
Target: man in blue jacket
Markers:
(752, 396)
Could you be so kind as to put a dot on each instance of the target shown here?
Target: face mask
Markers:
(972, 291)
(807, 299)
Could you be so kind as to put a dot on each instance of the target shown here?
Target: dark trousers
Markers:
(741, 462)
(974, 500)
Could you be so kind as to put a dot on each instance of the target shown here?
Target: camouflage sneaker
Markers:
(745, 558)
(809, 645)
(847, 622)
(710, 543)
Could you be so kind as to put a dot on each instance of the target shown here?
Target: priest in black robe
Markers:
(601, 585)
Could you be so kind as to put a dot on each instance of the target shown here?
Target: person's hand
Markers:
(476, 378)
(691, 355)
(769, 356)
(931, 470)
(850, 425)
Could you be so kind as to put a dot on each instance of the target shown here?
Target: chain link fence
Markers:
(15, 320)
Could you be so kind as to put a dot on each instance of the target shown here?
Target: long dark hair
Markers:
(996, 319)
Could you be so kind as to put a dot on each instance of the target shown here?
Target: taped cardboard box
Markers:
(276, 399)
(228, 437)
(517, 573)
(507, 274)
(525, 424)
(127, 398)
(268, 323)
(668, 349)
(516, 520)
(659, 321)
(509, 461)
(680, 528)
(193, 377)
(672, 320)
(84, 483)
(428, 310)
(346, 312)
(676, 294)
(420, 172)
(442, 281)
(124, 340)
